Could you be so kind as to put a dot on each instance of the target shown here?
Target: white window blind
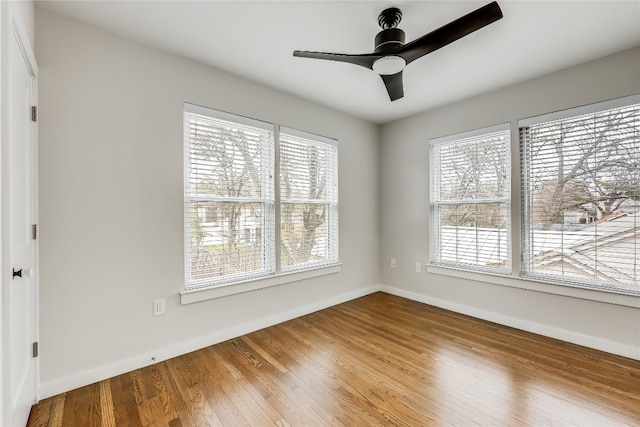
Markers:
(470, 200)
(229, 198)
(581, 195)
(308, 200)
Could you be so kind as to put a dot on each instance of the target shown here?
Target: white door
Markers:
(20, 282)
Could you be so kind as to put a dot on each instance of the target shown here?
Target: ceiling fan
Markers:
(391, 54)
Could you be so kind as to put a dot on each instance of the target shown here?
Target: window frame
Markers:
(267, 199)
(525, 198)
(331, 199)
(622, 297)
(436, 204)
(276, 275)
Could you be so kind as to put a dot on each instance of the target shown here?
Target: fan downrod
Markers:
(389, 18)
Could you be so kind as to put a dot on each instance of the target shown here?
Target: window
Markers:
(237, 226)
(470, 200)
(309, 200)
(581, 195)
(229, 197)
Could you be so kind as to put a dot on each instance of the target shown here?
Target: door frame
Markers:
(10, 27)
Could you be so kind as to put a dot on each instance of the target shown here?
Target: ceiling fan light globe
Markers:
(389, 65)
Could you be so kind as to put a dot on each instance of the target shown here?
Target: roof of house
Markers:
(606, 250)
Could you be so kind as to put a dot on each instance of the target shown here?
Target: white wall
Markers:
(111, 204)
(577, 316)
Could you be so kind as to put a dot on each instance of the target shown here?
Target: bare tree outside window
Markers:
(470, 198)
(474, 171)
(232, 203)
(230, 182)
(585, 164)
(581, 183)
(308, 190)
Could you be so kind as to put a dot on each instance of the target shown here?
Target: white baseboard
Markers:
(100, 373)
(81, 379)
(525, 325)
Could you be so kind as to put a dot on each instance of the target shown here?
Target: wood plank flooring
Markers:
(379, 360)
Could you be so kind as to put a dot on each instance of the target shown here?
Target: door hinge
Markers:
(34, 349)
(34, 113)
(34, 231)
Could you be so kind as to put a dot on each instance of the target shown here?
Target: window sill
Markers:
(195, 295)
(621, 298)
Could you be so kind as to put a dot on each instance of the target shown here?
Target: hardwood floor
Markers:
(378, 360)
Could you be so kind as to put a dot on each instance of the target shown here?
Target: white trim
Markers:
(307, 135)
(579, 111)
(525, 325)
(471, 201)
(20, 35)
(10, 27)
(277, 212)
(100, 373)
(194, 295)
(195, 198)
(531, 284)
(485, 131)
(229, 117)
(308, 201)
(4, 198)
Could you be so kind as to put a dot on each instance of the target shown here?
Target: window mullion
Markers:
(277, 210)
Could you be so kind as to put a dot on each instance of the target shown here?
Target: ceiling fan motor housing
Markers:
(389, 40)
(391, 37)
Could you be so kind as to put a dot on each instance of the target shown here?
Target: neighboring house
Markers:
(616, 258)
(216, 231)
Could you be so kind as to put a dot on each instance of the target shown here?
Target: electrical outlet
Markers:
(393, 263)
(159, 307)
(418, 267)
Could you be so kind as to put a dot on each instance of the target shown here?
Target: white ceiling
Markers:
(256, 39)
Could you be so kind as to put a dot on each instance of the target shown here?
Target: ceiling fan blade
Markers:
(365, 60)
(450, 32)
(394, 85)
